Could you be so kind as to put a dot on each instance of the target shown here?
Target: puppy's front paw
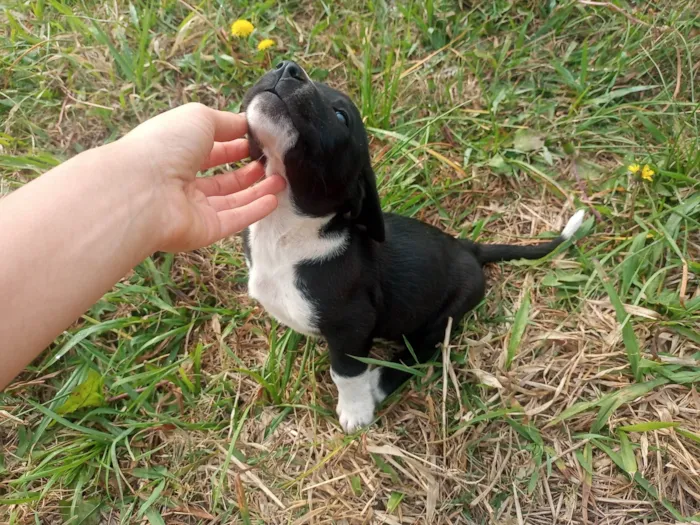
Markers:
(357, 397)
(355, 413)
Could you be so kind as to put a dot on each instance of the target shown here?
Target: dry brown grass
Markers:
(476, 442)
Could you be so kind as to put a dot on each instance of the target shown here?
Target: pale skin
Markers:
(68, 236)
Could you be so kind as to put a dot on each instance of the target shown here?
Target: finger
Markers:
(236, 200)
(232, 181)
(235, 220)
(228, 126)
(225, 152)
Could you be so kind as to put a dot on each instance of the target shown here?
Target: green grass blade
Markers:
(618, 93)
(688, 434)
(628, 337)
(634, 263)
(413, 370)
(146, 505)
(647, 427)
(95, 434)
(518, 329)
(629, 463)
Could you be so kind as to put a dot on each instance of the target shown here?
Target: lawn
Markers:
(570, 395)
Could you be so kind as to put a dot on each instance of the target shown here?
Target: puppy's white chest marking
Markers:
(280, 242)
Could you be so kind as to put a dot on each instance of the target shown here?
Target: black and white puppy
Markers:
(328, 262)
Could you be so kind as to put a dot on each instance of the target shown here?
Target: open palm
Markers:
(197, 211)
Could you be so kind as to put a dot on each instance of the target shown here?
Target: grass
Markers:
(571, 392)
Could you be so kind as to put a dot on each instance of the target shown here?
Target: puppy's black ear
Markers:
(366, 209)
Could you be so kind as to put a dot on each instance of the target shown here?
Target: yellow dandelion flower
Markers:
(647, 173)
(242, 28)
(265, 44)
(633, 168)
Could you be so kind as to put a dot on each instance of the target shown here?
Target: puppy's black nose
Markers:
(291, 70)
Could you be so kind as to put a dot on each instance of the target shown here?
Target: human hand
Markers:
(197, 211)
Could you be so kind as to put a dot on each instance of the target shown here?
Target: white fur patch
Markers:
(275, 136)
(573, 225)
(357, 398)
(285, 238)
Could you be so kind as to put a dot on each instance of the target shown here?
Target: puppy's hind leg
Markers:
(424, 342)
(424, 346)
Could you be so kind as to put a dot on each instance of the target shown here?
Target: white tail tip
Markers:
(573, 225)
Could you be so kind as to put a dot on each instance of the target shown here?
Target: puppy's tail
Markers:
(489, 253)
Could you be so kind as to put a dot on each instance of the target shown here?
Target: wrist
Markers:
(131, 191)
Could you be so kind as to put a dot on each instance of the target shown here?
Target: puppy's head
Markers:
(317, 134)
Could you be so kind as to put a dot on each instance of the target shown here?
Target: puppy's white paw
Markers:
(355, 413)
(357, 398)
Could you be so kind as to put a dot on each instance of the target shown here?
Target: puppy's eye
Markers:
(342, 117)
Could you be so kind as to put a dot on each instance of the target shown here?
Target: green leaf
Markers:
(646, 427)
(121, 60)
(639, 479)
(112, 324)
(627, 454)
(498, 163)
(86, 394)
(527, 431)
(39, 163)
(693, 335)
(588, 459)
(607, 408)
(609, 402)
(687, 209)
(628, 337)
(689, 435)
(556, 279)
(547, 155)
(185, 379)
(575, 409)
(573, 277)
(154, 517)
(610, 452)
(609, 405)
(550, 280)
(585, 458)
(684, 377)
(413, 370)
(356, 485)
(652, 129)
(20, 498)
(535, 476)
(151, 499)
(500, 97)
(526, 140)
(53, 416)
(519, 325)
(634, 263)
(565, 74)
(617, 93)
(386, 468)
(394, 501)
(85, 512)
(583, 76)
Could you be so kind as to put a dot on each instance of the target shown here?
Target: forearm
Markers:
(65, 239)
